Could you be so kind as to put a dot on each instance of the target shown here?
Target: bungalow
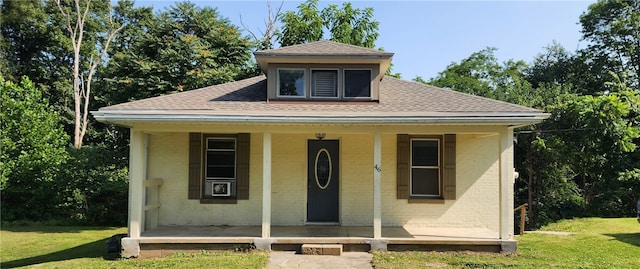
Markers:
(323, 148)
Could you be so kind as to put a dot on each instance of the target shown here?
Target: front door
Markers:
(322, 181)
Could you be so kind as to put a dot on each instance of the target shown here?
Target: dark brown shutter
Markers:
(402, 180)
(242, 171)
(449, 175)
(195, 165)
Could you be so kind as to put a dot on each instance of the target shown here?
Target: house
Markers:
(323, 148)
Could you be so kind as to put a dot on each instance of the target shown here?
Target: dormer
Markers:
(323, 71)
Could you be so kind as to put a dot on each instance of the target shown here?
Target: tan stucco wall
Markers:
(477, 184)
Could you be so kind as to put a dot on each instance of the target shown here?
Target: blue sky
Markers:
(426, 36)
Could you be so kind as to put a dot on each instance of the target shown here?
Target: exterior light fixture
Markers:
(320, 136)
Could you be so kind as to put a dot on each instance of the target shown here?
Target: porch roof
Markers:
(244, 101)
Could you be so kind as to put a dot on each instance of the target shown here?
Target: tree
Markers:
(351, 26)
(182, 48)
(551, 67)
(35, 46)
(76, 19)
(600, 136)
(301, 27)
(344, 24)
(266, 38)
(482, 74)
(33, 149)
(612, 29)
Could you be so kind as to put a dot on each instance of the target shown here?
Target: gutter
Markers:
(506, 119)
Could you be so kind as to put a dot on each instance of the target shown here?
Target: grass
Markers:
(85, 247)
(597, 243)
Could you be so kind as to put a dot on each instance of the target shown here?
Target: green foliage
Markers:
(35, 46)
(345, 25)
(479, 74)
(32, 151)
(182, 48)
(301, 27)
(599, 143)
(612, 30)
(351, 26)
(94, 187)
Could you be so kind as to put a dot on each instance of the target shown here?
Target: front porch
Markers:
(165, 240)
(163, 221)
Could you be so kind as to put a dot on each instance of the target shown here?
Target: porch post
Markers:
(137, 169)
(266, 185)
(506, 183)
(377, 200)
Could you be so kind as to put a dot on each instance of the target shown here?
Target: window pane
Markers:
(325, 83)
(220, 144)
(291, 82)
(425, 181)
(424, 153)
(216, 171)
(357, 83)
(221, 158)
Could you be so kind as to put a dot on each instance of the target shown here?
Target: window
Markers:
(324, 83)
(357, 83)
(426, 167)
(291, 83)
(219, 167)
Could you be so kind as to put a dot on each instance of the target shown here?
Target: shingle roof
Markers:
(247, 98)
(323, 48)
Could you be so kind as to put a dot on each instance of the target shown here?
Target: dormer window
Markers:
(357, 83)
(291, 82)
(324, 83)
(324, 71)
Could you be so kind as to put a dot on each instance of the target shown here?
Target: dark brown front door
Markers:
(322, 181)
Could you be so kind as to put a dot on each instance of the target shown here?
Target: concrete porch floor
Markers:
(169, 239)
(319, 231)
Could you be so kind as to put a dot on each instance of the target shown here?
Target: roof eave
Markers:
(511, 119)
(265, 59)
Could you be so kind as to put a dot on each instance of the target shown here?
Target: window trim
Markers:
(339, 90)
(440, 167)
(304, 85)
(344, 81)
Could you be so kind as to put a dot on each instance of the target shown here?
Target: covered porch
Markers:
(149, 237)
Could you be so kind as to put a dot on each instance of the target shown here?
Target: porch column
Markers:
(266, 185)
(137, 170)
(377, 189)
(506, 183)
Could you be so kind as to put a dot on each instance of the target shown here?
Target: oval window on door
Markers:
(323, 168)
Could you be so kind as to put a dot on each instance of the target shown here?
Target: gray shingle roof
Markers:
(247, 98)
(323, 48)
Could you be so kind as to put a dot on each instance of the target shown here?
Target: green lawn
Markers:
(85, 247)
(597, 243)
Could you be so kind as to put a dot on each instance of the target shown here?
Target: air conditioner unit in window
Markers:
(221, 188)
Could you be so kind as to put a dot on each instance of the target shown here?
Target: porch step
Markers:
(322, 249)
